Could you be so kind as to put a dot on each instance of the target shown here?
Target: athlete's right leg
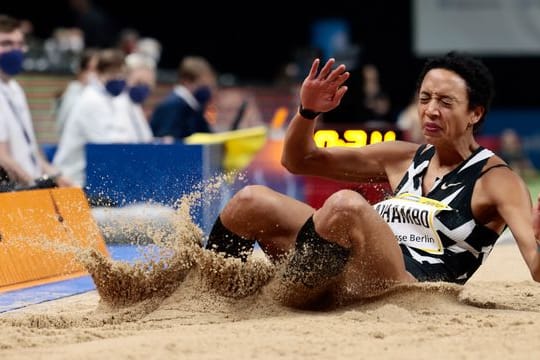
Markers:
(344, 252)
(376, 262)
(258, 213)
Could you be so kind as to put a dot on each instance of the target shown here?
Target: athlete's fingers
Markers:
(339, 94)
(336, 73)
(313, 70)
(342, 78)
(326, 69)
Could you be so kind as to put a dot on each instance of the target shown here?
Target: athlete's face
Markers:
(443, 107)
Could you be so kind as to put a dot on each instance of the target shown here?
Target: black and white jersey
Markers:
(459, 242)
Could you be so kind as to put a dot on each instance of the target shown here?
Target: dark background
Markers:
(253, 42)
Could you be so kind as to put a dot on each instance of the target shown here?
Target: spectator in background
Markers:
(512, 152)
(408, 122)
(236, 109)
(34, 45)
(94, 118)
(150, 47)
(369, 103)
(141, 80)
(127, 41)
(20, 155)
(86, 71)
(376, 102)
(62, 50)
(182, 112)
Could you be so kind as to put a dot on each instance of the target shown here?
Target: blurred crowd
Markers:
(102, 104)
(113, 77)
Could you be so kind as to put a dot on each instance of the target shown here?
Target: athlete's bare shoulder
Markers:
(499, 182)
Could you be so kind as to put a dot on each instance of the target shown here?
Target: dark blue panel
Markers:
(129, 173)
(159, 173)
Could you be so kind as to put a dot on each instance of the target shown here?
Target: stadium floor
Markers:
(16, 299)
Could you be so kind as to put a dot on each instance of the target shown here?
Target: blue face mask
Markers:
(139, 93)
(115, 86)
(203, 95)
(11, 62)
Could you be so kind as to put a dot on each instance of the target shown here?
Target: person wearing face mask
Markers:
(141, 79)
(182, 112)
(86, 71)
(94, 116)
(21, 160)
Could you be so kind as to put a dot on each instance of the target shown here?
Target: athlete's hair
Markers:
(479, 80)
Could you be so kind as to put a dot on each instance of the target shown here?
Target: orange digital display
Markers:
(352, 138)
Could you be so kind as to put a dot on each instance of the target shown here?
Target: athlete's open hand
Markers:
(323, 90)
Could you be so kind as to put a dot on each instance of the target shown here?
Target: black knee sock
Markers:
(315, 258)
(223, 240)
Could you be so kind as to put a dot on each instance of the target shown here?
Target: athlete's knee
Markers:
(250, 193)
(344, 205)
(246, 200)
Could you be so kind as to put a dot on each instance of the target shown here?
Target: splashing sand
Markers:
(196, 321)
(184, 301)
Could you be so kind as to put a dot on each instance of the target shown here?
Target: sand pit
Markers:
(221, 309)
(187, 303)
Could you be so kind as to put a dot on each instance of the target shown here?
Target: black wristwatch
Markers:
(308, 114)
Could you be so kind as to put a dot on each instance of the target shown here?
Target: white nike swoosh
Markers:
(446, 186)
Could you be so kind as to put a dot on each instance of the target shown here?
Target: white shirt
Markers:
(71, 94)
(131, 117)
(15, 122)
(92, 120)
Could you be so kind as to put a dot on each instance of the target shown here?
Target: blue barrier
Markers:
(155, 173)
